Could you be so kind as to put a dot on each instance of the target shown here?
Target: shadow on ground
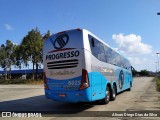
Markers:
(40, 103)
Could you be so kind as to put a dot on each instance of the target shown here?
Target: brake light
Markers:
(79, 29)
(62, 32)
(85, 80)
(45, 81)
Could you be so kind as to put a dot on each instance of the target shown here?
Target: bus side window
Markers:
(97, 48)
(92, 42)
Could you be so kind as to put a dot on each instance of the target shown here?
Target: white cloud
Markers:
(8, 27)
(141, 63)
(135, 60)
(131, 44)
(140, 54)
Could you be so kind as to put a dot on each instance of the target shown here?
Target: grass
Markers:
(158, 84)
(21, 81)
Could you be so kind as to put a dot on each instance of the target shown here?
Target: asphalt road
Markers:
(143, 96)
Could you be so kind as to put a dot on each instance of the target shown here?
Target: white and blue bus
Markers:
(80, 67)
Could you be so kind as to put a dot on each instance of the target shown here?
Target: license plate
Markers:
(62, 95)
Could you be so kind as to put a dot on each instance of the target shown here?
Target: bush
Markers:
(158, 84)
(21, 81)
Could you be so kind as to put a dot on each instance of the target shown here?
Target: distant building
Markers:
(158, 74)
(152, 74)
(16, 74)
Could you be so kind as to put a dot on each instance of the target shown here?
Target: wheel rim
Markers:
(107, 94)
(114, 92)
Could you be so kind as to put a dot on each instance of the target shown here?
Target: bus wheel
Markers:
(113, 93)
(107, 97)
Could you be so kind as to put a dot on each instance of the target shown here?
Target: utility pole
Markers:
(156, 66)
(157, 61)
(158, 54)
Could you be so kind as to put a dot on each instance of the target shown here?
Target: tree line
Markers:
(30, 49)
(142, 73)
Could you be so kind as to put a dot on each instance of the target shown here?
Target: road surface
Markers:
(143, 96)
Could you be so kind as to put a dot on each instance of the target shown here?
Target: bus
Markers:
(80, 67)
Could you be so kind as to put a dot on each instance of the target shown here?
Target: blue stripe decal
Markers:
(96, 91)
(68, 84)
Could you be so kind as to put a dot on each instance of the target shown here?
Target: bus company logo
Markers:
(121, 79)
(61, 41)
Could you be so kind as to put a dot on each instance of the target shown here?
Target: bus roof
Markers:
(102, 41)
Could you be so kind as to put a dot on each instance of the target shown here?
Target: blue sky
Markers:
(130, 26)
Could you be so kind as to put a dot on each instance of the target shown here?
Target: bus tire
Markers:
(113, 93)
(107, 96)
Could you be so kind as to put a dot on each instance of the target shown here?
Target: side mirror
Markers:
(133, 71)
(132, 68)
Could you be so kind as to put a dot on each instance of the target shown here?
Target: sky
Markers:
(131, 27)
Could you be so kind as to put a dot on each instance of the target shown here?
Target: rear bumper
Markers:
(69, 96)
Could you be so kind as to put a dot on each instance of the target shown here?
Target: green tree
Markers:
(47, 35)
(3, 57)
(17, 56)
(143, 73)
(31, 48)
(6, 59)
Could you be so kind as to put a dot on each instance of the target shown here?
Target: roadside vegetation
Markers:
(158, 84)
(30, 49)
(21, 81)
(142, 73)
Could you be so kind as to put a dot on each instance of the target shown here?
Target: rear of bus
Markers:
(65, 75)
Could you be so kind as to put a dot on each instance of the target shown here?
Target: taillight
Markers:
(45, 81)
(79, 29)
(85, 80)
(61, 32)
